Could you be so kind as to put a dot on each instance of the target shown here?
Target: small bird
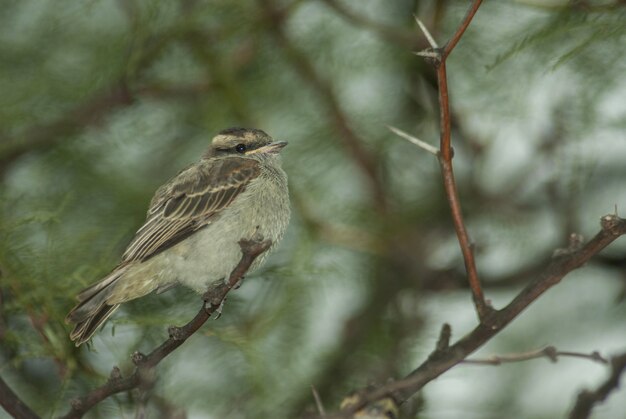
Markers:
(195, 221)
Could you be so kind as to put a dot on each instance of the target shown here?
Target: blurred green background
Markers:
(102, 101)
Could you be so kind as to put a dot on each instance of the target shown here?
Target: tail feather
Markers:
(92, 290)
(83, 330)
(92, 309)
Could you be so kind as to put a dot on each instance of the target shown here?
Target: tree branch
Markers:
(445, 161)
(145, 364)
(13, 404)
(588, 399)
(492, 321)
(461, 29)
(445, 357)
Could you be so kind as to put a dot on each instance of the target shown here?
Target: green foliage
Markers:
(104, 101)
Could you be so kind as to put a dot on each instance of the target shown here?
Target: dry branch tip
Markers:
(115, 374)
(443, 343)
(610, 222)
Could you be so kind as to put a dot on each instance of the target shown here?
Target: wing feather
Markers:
(189, 202)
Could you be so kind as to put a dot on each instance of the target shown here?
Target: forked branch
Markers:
(438, 56)
(445, 357)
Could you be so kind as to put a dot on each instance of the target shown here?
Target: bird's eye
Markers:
(240, 148)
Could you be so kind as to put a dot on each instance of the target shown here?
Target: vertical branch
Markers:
(445, 160)
(445, 125)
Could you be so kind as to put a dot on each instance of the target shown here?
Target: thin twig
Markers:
(549, 352)
(145, 364)
(443, 343)
(318, 401)
(461, 29)
(588, 399)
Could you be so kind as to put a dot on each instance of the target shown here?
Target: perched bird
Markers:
(191, 235)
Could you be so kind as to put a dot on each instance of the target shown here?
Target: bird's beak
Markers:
(273, 148)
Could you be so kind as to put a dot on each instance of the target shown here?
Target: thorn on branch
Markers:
(433, 56)
(427, 34)
(414, 140)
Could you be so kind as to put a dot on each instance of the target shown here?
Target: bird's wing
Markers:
(188, 202)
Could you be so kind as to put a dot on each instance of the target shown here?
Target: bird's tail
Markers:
(92, 309)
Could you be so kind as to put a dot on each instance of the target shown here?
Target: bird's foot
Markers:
(218, 310)
(214, 299)
(213, 296)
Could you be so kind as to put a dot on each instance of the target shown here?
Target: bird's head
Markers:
(243, 142)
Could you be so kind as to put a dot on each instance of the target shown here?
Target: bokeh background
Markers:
(103, 101)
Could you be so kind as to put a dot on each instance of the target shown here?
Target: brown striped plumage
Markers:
(187, 203)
